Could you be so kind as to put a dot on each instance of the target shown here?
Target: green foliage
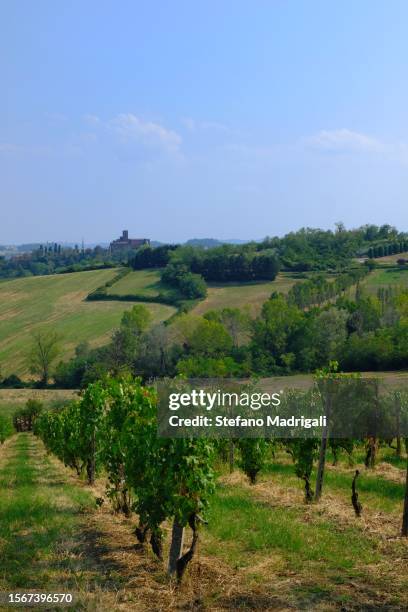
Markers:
(199, 366)
(24, 419)
(191, 286)
(210, 339)
(6, 428)
(329, 334)
(225, 263)
(114, 425)
(276, 334)
(44, 350)
(304, 452)
(319, 289)
(253, 454)
(53, 259)
(136, 320)
(148, 257)
(235, 321)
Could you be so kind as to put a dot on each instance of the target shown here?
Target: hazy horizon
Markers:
(181, 120)
(106, 241)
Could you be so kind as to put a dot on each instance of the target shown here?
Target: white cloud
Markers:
(193, 125)
(343, 140)
(131, 129)
(91, 119)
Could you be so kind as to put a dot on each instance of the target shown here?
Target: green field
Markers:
(140, 282)
(58, 302)
(251, 295)
(383, 278)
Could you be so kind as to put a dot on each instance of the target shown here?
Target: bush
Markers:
(23, 419)
(12, 382)
(6, 428)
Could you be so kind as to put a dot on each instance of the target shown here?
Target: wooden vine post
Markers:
(328, 399)
(176, 547)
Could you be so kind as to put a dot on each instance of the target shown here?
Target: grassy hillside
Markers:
(140, 282)
(58, 302)
(395, 277)
(143, 283)
(237, 295)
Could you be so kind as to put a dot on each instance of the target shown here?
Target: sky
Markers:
(179, 119)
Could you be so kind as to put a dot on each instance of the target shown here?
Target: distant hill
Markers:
(206, 243)
(209, 243)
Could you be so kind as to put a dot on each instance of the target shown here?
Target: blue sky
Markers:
(224, 119)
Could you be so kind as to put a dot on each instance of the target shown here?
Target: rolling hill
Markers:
(58, 302)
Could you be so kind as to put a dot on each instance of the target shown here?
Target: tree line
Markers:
(392, 248)
(291, 334)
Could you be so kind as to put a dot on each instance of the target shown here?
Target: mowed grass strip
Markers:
(375, 491)
(305, 555)
(58, 302)
(39, 517)
(242, 529)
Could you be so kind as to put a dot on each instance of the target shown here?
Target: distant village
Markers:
(53, 257)
(123, 243)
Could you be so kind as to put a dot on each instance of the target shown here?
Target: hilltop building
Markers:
(124, 242)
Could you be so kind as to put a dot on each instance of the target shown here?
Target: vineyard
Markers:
(250, 512)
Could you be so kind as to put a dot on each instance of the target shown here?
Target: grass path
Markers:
(262, 550)
(40, 513)
(52, 537)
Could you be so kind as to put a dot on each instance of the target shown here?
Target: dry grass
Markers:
(370, 586)
(20, 396)
(244, 295)
(392, 258)
(303, 382)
